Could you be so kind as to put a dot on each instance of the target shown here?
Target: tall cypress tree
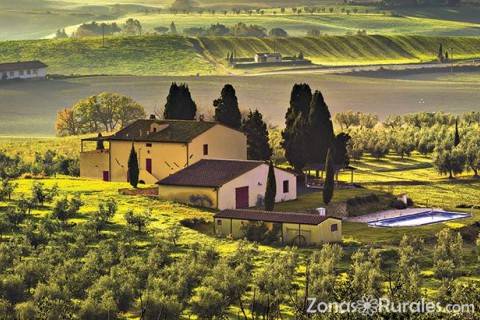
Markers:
(180, 105)
(296, 120)
(226, 108)
(320, 131)
(329, 179)
(456, 141)
(100, 145)
(133, 170)
(258, 147)
(271, 190)
(300, 99)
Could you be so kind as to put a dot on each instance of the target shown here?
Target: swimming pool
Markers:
(419, 219)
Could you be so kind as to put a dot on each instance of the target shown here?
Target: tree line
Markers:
(452, 141)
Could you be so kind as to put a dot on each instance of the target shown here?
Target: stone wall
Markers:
(149, 192)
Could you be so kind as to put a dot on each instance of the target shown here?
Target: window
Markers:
(29, 71)
(286, 186)
(22, 72)
(334, 227)
(205, 149)
(219, 222)
(149, 144)
(12, 73)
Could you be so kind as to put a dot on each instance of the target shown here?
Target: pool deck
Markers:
(388, 214)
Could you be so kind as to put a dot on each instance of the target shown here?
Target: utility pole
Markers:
(103, 35)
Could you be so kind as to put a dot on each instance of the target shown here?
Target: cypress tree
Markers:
(300, 99)
(258, 147)
(100, 145)
(133, 170)
(456, 141)
(320, 129)
(296, 120)
(440, 52)
(180, 105)
(329, 179)
(295, 143)
(271, 190)
(226, 108)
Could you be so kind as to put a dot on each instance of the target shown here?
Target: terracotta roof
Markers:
(271, 216)
(181, 131)
(210, 173)
(22, 65)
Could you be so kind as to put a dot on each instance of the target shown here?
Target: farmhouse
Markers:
(163, 147)
(226, 184)
(23, 70)
(268, 57)
(296, 228)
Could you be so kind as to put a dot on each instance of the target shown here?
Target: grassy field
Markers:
(126, 55)
(348, 50)
(29, 107)
(336, 23)
(175, 55)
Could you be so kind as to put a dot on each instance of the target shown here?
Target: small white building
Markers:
(23, 70)
(268, 57)
(226, 184)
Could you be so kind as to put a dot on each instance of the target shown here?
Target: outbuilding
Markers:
(226, 184)
(23, 70)
(292, 228)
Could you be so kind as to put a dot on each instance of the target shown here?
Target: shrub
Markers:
(398, 204)
(138, 220)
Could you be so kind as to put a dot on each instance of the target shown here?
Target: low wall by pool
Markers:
(419, 219)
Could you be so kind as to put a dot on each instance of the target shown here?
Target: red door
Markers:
(149, 165)
(241, 198)
(105, 176)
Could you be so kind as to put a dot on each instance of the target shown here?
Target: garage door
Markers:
(241, 198)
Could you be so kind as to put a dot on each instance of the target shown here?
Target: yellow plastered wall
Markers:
(167, 158)
(93, 163)
(314, 234)
(196, 196)
(223, 143)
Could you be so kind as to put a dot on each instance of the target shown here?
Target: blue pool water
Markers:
(419, 219)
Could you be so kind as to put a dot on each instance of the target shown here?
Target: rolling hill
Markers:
(176, 55)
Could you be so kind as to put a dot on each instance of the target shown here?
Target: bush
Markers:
(398, 204)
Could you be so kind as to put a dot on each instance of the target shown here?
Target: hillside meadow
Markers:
(413, 175)
(177, 55)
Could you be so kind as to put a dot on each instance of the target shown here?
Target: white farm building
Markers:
(23, 70)
(226, 184)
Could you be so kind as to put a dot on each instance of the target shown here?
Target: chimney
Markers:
(152, 117)
(322, 212)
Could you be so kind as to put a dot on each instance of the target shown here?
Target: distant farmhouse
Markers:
(268, 57)
(23, 70)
